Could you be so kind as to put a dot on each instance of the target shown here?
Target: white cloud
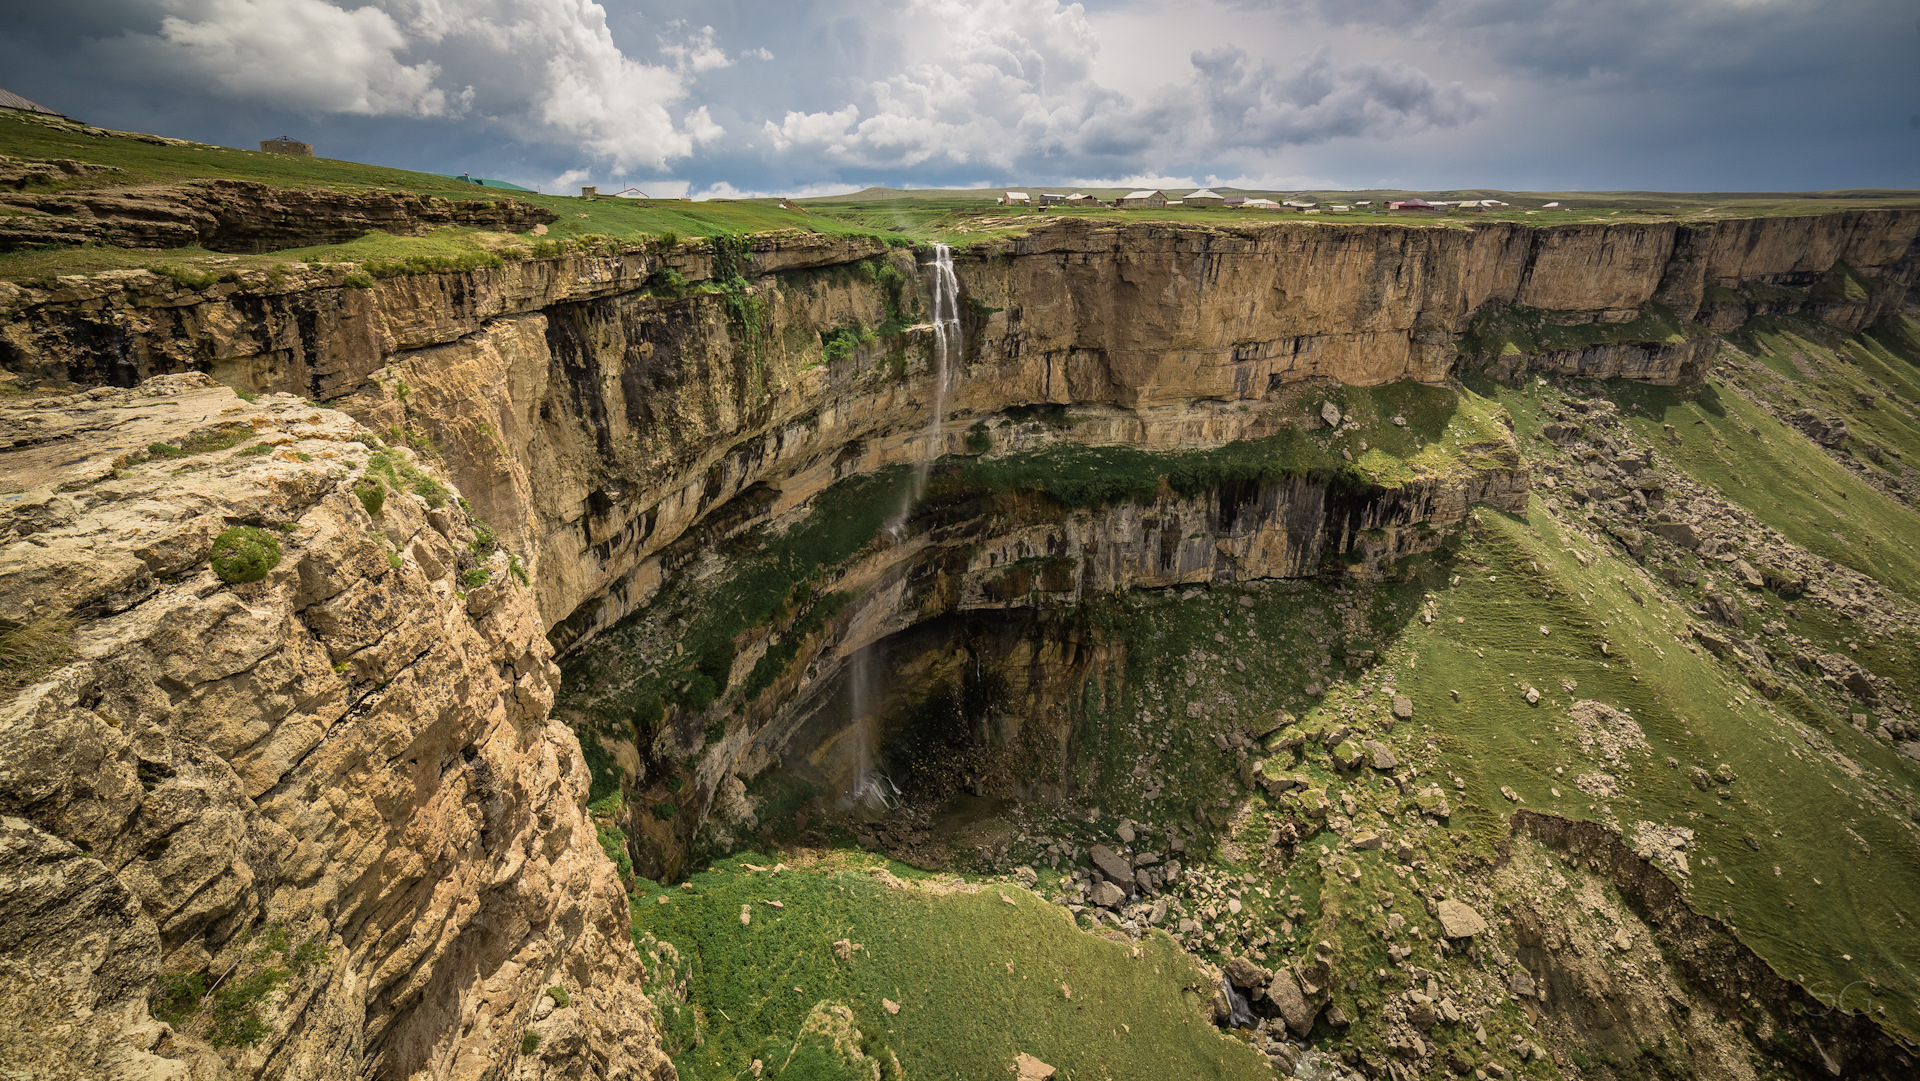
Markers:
(693, 50)
(823, 131)
(567, 181)
(1011, 84)
(724, 190)
(300, 55)
(544, 70)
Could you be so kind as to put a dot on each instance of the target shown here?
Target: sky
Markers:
(709, 98)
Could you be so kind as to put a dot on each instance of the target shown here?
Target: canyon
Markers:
(644, 568)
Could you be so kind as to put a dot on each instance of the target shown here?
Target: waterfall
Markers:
(947, 342)
(873, 790)
(946, 339)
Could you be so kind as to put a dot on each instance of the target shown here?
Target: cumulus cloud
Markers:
(1009, 83)
(693, 50)
(301, 55)
(544, 70)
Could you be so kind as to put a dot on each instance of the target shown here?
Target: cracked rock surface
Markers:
(316, 825)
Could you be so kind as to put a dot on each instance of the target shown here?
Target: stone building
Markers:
(286, 144)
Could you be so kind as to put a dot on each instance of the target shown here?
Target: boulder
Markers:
(1107, 895)
(1295, 1010)
(1031, 1069)
(1111, 864)
(1459, 920)
(1521, 982)
(1402, 707)
(1381, 754)
(1330, 413)
(1286, 739)
(1272, 722)
(1244, 973)
(1679, 534)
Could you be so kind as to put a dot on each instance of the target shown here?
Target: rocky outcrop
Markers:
(301, 816)
(1663, 363)
(238, 216)
(1730, 987)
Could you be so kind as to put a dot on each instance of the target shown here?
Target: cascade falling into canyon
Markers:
(872, 789)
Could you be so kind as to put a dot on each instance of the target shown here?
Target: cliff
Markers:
(326, 817)
(597, 415)
(299, 813)
(239, 216)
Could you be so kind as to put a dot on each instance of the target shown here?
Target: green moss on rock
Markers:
(245, 554)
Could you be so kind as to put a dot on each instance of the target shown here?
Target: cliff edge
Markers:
(280, 795)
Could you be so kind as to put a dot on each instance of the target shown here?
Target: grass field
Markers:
(944, 216)
(979, 975)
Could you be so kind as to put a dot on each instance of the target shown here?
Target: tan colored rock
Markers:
(1293, 1005)
(1458, 919)
(341, 770)
(1032, 1069)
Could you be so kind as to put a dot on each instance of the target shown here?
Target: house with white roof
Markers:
(1150, 200)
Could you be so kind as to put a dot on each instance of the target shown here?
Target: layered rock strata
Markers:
(239, 216)
(317, 824)
(601, 418)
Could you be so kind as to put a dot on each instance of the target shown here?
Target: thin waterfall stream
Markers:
(873, 789)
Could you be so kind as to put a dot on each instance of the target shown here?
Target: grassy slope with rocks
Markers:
(1800, 812)
(979, 974)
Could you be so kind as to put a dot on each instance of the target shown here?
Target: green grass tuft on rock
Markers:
(245, 554)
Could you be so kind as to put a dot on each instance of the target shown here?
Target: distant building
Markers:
(1339, 209)
(1553, 206)
(1236, 200)
(1364, 202)
(1015, 198)
(1148, 200)
(1204, 197)
(1479, 206)
(1052, 198)
(11, 100)
(1299, 204)
(1254, 204)
(1081, 198)
(286, 144)
(1416, 206)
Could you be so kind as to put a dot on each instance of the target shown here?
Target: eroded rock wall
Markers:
(597, 421)
(321, 821)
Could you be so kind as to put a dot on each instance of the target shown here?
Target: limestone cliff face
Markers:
(596, 422)
(238, 216)
(319, 824)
